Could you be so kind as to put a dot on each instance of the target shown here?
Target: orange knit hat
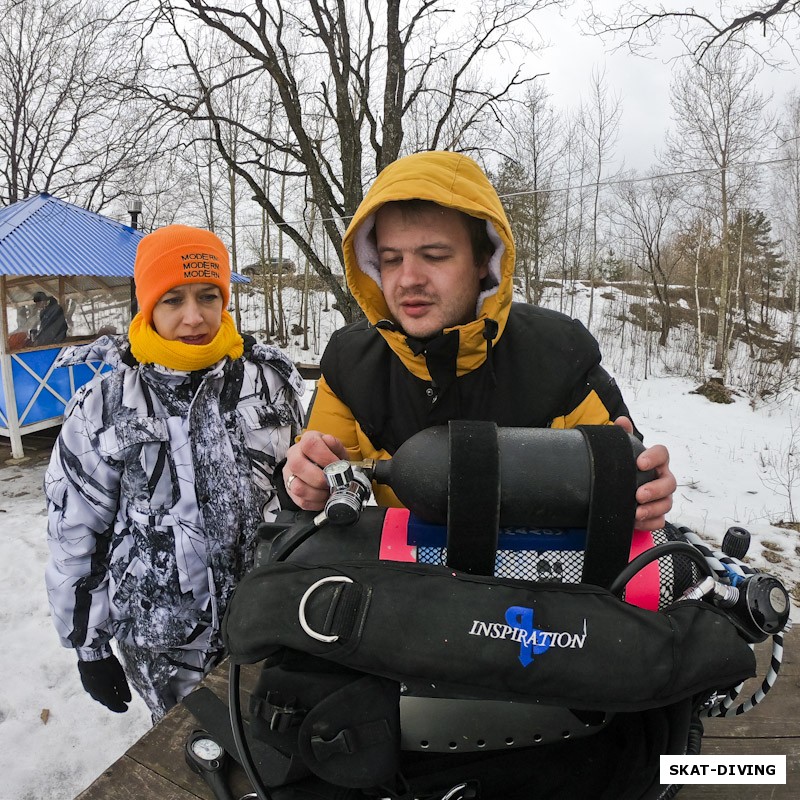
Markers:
(175, 255)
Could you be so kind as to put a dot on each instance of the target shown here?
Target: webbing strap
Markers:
(473, 497)
(612, 503)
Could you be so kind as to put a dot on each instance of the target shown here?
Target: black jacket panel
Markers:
(543, 367)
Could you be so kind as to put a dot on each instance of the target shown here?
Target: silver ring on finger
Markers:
(289, 482)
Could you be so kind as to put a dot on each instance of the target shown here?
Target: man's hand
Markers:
(655, 497)
(303, 477)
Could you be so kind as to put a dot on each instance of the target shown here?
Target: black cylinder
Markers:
(545, 476)
(736, 542)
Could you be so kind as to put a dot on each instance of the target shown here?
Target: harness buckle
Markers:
(279, 714)
(341, 744)
(281, 719)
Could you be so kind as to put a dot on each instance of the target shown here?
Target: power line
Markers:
(576, 187)
(643, 178)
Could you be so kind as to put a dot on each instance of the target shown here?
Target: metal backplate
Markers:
(443, 725)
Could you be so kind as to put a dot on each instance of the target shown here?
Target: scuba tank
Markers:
(545, 475)
(478, 479)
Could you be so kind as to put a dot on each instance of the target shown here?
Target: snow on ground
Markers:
(58, 756)
(56, 740)
(722, 457)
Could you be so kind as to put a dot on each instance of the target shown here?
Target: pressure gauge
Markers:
(207, 749)
(207, 757)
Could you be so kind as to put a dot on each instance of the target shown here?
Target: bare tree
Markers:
(339, 69)
(537, 143)
(720, 123)
(573, 165)
(63, 129)
(787, 189)
(167, 186)
(722, 25)
(645, 217)
(599, 121)
(700, 350)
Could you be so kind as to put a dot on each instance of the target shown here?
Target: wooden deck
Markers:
(154, 768)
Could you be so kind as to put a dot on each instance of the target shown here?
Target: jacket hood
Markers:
(455, 181)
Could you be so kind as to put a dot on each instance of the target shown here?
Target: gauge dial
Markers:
(207, 749)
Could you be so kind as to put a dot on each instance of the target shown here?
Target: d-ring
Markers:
(301, 612)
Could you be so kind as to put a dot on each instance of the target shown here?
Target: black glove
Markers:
(105, 681)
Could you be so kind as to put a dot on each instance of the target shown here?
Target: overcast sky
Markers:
(641, 83)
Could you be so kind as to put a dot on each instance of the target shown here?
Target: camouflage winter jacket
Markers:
(155, 489)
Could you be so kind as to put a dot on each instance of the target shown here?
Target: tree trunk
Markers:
(281, 333)
(237, 312)
(306, 292)
(701, 358)
(724, 284)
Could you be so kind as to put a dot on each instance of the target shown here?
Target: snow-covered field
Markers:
(55, 740)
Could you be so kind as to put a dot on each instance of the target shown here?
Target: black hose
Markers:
(654, 553)
(289, 541)
(239, 738)
(282, 548)
(693, 745)
(695, 739)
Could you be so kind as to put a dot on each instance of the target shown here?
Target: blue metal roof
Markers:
(47, 236)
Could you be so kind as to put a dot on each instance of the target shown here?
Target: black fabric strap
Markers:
(612, 503)
(473, 497)
(345, 611)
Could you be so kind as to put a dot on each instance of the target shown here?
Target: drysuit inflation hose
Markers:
(286, 544)
(283, 549)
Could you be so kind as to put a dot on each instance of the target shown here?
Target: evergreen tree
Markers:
(762, 264)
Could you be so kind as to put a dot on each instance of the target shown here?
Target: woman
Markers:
(161, 475)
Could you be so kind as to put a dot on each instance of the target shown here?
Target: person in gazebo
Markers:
(52, 323)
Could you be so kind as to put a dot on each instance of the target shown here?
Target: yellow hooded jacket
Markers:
(378, 387)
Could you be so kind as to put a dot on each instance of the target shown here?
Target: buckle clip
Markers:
(341, 744)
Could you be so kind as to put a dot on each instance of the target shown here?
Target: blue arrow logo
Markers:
(521, 618)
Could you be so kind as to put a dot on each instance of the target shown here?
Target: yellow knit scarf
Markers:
(150, 348)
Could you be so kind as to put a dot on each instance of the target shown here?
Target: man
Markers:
(429, 256)
(52, 324)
